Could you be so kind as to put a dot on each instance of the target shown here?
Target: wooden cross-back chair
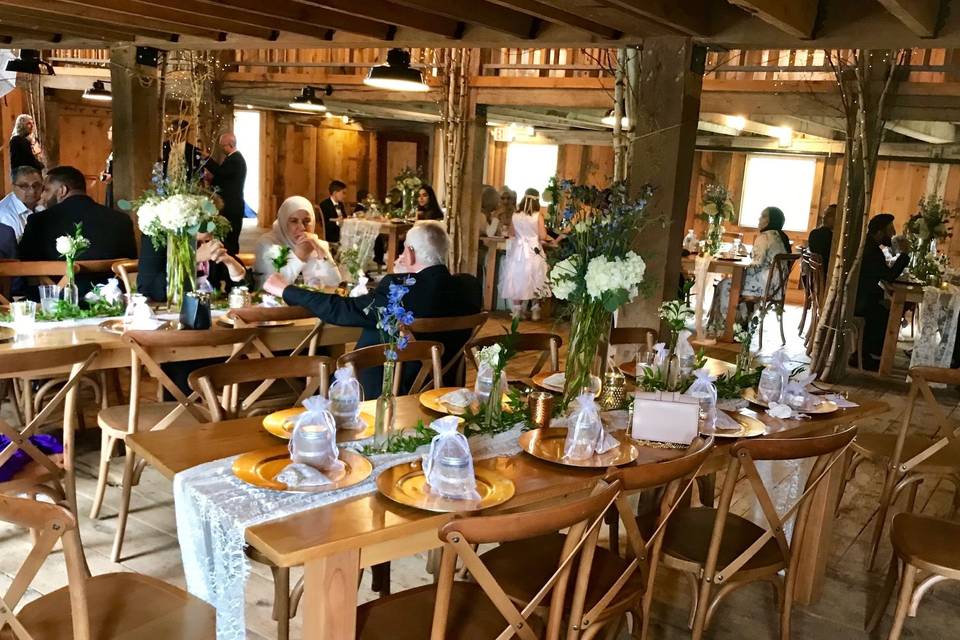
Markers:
(126, 272)
(45, 272)
(482, 608)
(426, 352)
(119, 421)
(812, 281)
(44, 473)
(257, 316)
(617, 585)
(548, 344)
(774, 292)
(720, 552)
(104, 607)
(218, 382)
(468, 325)
(905, 458)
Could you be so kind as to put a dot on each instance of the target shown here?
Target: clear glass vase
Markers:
(386, 406)
(588, 327)
(181, 267)
(493, 406)
(408, 201)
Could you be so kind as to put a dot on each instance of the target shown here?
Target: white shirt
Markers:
(14, 213)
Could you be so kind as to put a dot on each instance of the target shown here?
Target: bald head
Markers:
(228, 142)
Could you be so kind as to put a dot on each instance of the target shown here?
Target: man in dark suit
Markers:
(435, 294)
(820, 239)
(65, 197)
(874, 270)
(333, 210)
(228, 179)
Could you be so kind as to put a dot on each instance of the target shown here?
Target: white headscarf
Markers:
(290, 206)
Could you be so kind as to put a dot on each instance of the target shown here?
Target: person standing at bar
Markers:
(333, 211)
(106, 176)
(25, 151)
(228, 177)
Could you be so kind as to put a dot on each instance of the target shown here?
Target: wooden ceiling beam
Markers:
(920, 16)
(481, 14)
(551, 13)
(63, 11)
(10, 36)
(33, 25)
(691, 17)
(394, 14)
(795, 17)
(286, 15)
(184, 19)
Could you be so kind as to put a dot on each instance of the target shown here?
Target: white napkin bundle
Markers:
(784, 412)
(840, 401)
(555, 380)
(725, 423)
(302, 476)
(360, 289)
(458, 399)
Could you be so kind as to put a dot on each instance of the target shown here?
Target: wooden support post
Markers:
(663, 141)
(476, 142)
(136, 122)
(51, 129)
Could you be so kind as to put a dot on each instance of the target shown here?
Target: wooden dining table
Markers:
(898, 293)
(727, 266)
(335, 541)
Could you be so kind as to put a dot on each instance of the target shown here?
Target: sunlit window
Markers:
(530, 165)
(778, 181)
(246, 126)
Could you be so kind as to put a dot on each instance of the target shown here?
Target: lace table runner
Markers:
(933, 346)
(213, 509)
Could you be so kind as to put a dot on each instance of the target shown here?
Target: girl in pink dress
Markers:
(524, 274)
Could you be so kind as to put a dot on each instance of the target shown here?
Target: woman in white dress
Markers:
(524, 275)
(770, 242)
(309, 260)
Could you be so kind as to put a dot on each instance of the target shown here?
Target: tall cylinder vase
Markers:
(408, 201)
(589, 325)
(181, 267)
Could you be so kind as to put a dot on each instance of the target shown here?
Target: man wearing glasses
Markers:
(19, 204)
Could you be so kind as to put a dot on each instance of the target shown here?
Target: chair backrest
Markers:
(426, 352)
(775, 290)
(254, 316)
(125, 270)
(920, 379)
(95, 266)
(45, 271)
(581, 517)
(827, 450)
(218, 382)
(50, 523)
(548, 344)
(644, 336)
(201, 343)
(472, 323)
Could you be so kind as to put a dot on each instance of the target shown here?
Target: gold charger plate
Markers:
(280, 422)
(750, 426)
(547, 444)
(541, 381)
(7, 334)
(406, 484)
(228, 321)
(260, 467)
(115, 325)
(430, 399)
(825, 406)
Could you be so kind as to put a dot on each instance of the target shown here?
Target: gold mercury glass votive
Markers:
(540, 404)
(614, 393)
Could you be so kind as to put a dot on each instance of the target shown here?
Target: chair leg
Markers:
(107, 445)
(763, 315)
(886, 497)
(889, 584)
(786, 604)
(380, 578)
(703, 606)
(847, 462)
(281, 600)
(783, 336)
(612, 517)
(129, 463)
(903, 601)
(803, 315)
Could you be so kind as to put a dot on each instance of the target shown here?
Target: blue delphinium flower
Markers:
(391, 355)
(402, 342)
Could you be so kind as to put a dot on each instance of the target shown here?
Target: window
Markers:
(246, 126)
(778, 181)
(530, 165)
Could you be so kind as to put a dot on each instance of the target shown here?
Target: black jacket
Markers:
(191, 158)
(436, 294)
(21, 154)
(874, 270)
(819, 242)
(110, 234)
(331, 211)
(228, 179)
(152, 273)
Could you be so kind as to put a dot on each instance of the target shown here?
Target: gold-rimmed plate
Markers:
(280, 424)
(749, 426)
(407, 484)
(825, 406)
(7, 334)
(541, 381)
(260, 468)
(430, 399)
(116, 326)
(547, 444)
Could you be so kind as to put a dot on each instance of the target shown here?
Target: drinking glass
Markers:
(737, 247)
(49, 296)
(24, 314)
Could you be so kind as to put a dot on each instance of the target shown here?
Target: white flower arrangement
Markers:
(615, 281)
(490, 356)
(64, 245)
(69, 246)
(179, 213)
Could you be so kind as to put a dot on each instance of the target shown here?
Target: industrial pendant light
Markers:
(29, 62)
(308, 101)
(396, 75)
(98, 92)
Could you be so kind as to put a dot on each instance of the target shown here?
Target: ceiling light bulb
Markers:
(736, 122)
(785, 136)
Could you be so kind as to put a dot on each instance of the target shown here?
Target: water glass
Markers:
(49, 296)
(24, 314)
(645, 358)
(737, 247)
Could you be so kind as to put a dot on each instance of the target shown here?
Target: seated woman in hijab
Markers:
(770, 242)
(309, 260)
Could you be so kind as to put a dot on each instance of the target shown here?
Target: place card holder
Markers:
(663, 416)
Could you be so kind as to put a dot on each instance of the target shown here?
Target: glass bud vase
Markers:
(181, 267)
(408, 198)
(493, 406)
(386, 406)
(70, 293)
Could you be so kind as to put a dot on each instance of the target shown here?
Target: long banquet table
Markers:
(334, 541)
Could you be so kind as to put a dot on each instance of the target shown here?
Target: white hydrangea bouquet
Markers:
(717, 207)
(596, 270)
(172, 213)
(408, 181)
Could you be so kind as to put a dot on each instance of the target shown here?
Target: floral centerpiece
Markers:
(595, 270)
(279, 255)
(392, 322)
(172, 213)
(717, 207)
(409, 181)
(925, 229)
(69, 247)
(675, 315)
(491, 363)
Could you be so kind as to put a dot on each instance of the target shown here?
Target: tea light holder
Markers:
(614, 393)
(540, 404)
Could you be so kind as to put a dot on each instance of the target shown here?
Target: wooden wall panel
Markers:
(586, 164)
(342, 154)
(11, 105)
(496, 165)
(84, 143)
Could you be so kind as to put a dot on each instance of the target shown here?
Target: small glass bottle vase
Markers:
(386, 406)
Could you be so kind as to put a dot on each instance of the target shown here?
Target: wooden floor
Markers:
(151, 543)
